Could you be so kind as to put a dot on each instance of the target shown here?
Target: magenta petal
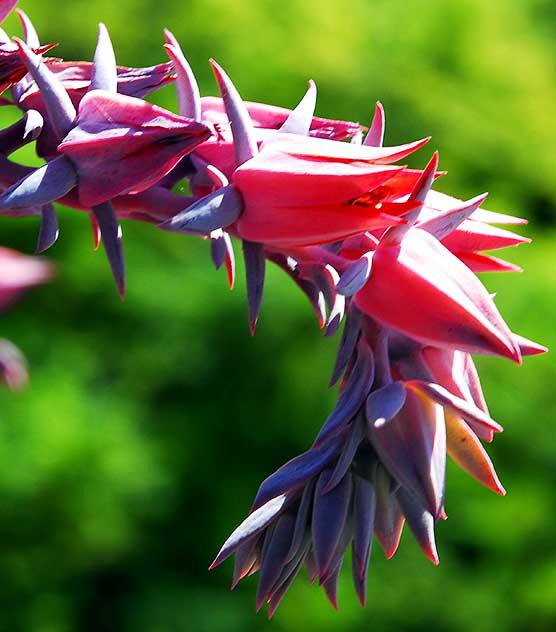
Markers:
(18, 273)
(529, 347)
(13, 366)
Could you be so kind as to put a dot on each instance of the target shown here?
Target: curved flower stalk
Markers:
(366, 239)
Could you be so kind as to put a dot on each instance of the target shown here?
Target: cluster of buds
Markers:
(369, 242)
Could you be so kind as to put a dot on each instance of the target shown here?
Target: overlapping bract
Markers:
(366, 239)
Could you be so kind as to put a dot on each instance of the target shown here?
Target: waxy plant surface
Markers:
(375, 249)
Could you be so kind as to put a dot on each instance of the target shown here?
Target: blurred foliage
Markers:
(150, 423)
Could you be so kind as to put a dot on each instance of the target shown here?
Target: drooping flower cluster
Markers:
(366, 239)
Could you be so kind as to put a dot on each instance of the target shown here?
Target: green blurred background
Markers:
(149, 424)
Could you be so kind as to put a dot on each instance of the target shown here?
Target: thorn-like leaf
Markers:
(61, 111)
(375, 135)
(41, 186)
(255, 267)
(355, 277)
(111, 234)
(48, 233)
(214, 211)
(253, 524)
(189, 97)
(300, 119)
(105, 74)
(245, 146)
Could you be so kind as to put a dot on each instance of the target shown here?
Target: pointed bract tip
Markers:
(432, 554)
(216, 562)
(375, 135)
(426, 179)
(245, 145)
(169, 37)
(529, 347)
(31, 36)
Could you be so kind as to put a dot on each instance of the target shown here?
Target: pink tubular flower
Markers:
(301, 191)
(418, 287)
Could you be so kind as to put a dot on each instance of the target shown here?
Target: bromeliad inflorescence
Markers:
(368, 241)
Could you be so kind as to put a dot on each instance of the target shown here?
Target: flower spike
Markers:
(104, 75)
(300, 119)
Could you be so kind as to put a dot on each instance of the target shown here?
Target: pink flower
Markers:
(300, 191)
(121, 144)
(418, 287)
(19, 272)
